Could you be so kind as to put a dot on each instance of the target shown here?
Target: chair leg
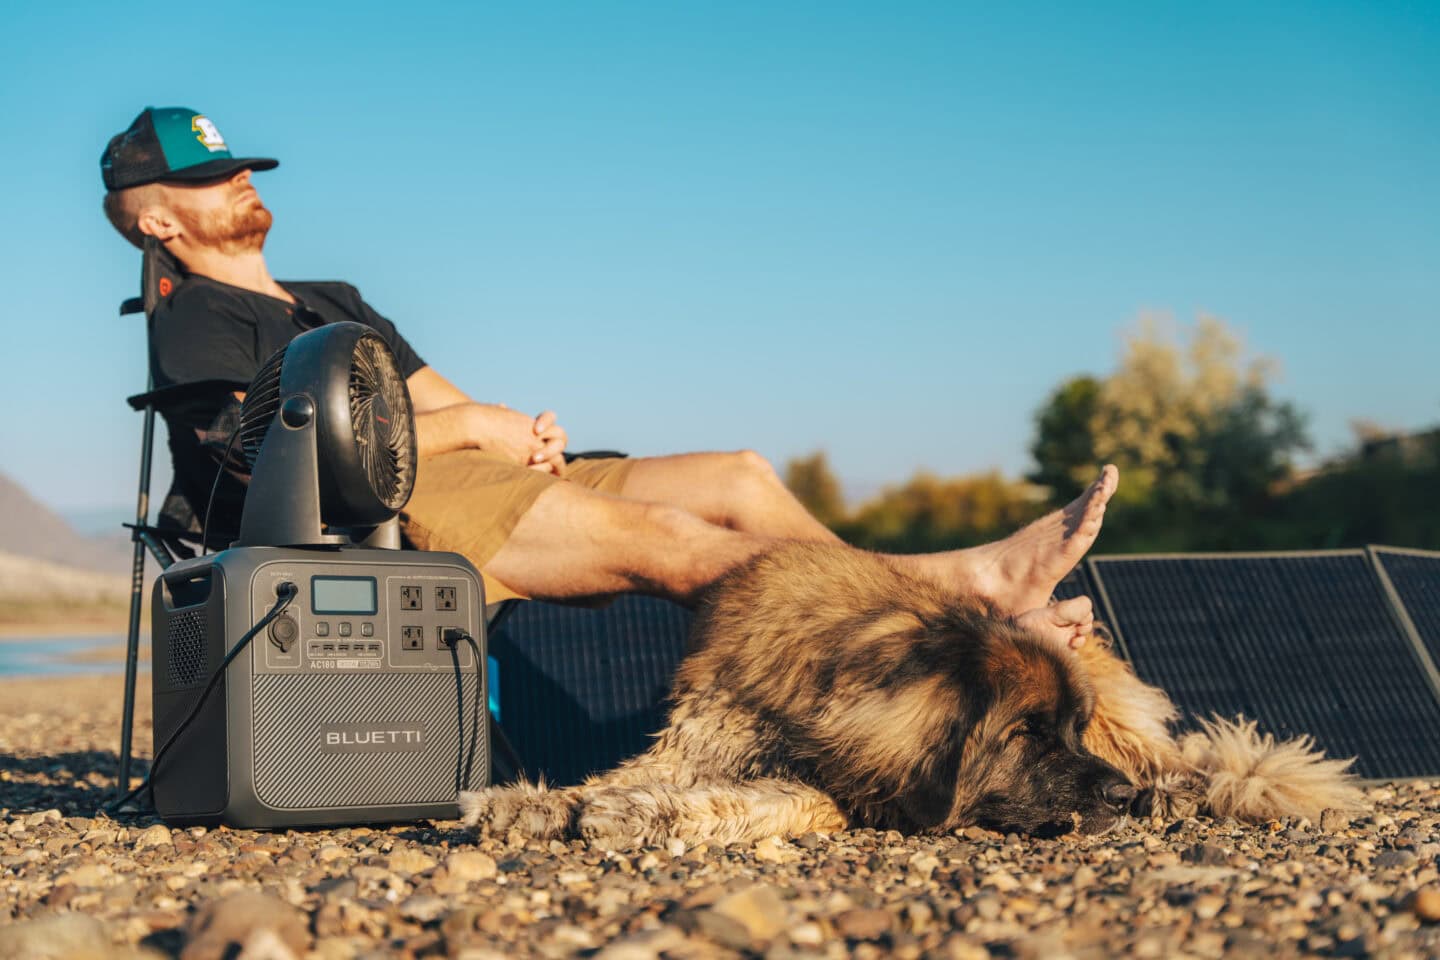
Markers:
(137, 592)
(132, 657)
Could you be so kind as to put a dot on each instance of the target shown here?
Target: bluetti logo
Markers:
(371, 738)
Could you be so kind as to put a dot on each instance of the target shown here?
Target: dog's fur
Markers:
(827, 689)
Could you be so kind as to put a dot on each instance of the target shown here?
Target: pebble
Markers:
(246, 923)
(863, 924)
(759, 909)
(156, 836)
(423, 909)
(407, 861)
(470, 865)
(775, 850)
(1334, 821)
(1426, 904)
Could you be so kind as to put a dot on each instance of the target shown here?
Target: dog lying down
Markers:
(825, 689)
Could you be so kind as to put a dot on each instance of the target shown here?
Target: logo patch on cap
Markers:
(207, 133)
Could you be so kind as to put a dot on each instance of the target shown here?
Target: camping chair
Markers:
(585, 685)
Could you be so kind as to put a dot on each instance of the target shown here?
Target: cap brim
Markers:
(219, 167)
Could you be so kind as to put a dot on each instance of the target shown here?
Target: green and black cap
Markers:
(171, 143)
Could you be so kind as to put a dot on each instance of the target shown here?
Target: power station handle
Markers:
(187, 587)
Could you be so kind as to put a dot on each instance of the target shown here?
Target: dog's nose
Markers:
(1117, 794)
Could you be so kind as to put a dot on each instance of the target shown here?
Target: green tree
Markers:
(813, 483)
(1188, 417)
(929, 513)
(1064, 447)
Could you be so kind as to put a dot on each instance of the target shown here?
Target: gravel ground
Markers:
(78, 884)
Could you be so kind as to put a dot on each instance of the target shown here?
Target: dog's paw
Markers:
(612, 820)
(533, 811)
(1173, 796)
(474, 808)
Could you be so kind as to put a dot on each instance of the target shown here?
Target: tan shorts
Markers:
(469, 501)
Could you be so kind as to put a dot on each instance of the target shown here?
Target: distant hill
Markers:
(38, 592)
(31, 529)
(26, 577)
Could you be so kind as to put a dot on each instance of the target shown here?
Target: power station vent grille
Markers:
(292, 712)
(185, 639)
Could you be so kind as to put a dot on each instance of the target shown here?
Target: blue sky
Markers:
(885, 230)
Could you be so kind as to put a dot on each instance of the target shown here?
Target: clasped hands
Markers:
(534, 442)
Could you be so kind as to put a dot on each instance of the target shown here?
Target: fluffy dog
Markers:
(826, 689)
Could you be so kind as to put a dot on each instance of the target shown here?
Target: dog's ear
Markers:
(929, 792)
(1130, 727)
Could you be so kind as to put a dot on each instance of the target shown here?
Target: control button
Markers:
(283, 631)
(367, 629)
(345, 628)
(322, 629)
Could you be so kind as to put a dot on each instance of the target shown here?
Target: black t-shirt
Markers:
(212, 331)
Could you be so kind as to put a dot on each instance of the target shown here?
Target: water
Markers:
(62, 655)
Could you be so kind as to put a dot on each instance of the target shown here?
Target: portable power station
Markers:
(312, 674)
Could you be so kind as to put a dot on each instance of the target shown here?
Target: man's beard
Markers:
(234, 231)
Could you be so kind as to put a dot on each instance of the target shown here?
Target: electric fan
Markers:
(364, 438)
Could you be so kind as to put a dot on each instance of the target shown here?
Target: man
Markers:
(493, 483)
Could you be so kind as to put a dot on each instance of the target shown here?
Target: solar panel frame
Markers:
(1304, 648)
(1417, 605)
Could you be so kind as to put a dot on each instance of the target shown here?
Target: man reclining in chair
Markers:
(493, 483)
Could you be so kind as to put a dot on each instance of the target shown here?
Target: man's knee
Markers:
(749, 477)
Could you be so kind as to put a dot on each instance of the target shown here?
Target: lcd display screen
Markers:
(343, 595)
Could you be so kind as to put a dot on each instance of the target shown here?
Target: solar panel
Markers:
(1301, 642)
(581, 689)
(1413, 578)
(1076, 583)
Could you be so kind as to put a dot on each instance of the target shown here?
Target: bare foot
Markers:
(1018, 574)
(1067, 622)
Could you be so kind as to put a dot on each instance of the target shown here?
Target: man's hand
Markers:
(551, 456)
(538, 442)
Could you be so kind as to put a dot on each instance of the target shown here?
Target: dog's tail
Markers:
(1251, 776)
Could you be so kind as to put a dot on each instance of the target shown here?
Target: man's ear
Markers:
(158, 222)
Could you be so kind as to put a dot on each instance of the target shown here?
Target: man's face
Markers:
(225, 215)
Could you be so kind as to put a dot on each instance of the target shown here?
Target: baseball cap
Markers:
(171, 143)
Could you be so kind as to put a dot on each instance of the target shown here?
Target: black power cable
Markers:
(451, 637)
(287, 592)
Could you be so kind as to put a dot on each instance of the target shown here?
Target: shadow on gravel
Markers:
(75, 783)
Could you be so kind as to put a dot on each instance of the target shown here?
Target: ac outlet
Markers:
(411, 597)
(412, 638)
(444, 598)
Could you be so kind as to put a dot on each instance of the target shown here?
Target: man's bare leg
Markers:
(574, 543)
(741, 491)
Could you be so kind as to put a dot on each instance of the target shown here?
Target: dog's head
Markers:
(1010, 756)
(1023, 765)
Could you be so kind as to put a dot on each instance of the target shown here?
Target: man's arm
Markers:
(447, 419)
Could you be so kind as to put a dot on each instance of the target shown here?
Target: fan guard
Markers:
(383, 423)
(364, 423)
